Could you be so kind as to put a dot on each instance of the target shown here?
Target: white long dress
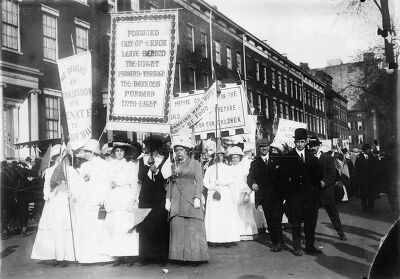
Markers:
(91, 230)
(54, 236)
(221, 219)
(246, 221)
(119, 205)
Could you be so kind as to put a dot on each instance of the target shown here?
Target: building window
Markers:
(350, 139)
(359, 115)
(259, 103)
(192, 79)
(267, 107)
(293, 113)
(279, 81)
(239, 61)
(205, 82)
(50, 37)
(285, 85)
(190, 37)
(360, 139)
(273, 77)
(203, 43)
(265, 75)
(82, 42)
(229, 57)
(287, 112)
(218, 52)
(291, 88)
(10, 24)
(359, 125)
(300, 93)
(257, 71)
(52, 117)
(349, 125)
(295, 90)
(281, 112)
(178, 79)
(250, 97)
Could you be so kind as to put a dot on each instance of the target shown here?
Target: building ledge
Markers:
(12, 50)
(50, 61)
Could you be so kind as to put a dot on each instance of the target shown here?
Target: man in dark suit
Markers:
(327, 183)
(302, 176)
(366, 177)
(264, 180)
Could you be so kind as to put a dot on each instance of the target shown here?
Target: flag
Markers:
(45, 163)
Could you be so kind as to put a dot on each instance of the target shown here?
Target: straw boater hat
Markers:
(182, 141)
(92, 146)
(235, 150)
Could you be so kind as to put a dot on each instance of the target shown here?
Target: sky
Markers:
(310, 31)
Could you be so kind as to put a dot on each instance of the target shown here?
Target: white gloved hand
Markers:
(167, 204)
(196, 203)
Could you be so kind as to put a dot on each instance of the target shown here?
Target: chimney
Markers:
(304, 67)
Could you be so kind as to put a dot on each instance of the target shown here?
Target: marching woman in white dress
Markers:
(54, 237)
(241, 191)
(120, 201)
(221, 219)
(92, 193)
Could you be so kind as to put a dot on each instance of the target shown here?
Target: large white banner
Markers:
(232, 110)
(142, 68)
(76, 85)
(285, 133)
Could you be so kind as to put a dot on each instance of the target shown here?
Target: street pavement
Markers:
(246, 260)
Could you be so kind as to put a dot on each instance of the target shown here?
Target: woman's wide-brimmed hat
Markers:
(92, 146)
(182, 141)
(235, 150)
(154, 142)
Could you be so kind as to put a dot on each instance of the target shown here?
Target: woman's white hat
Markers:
(92, 146)
(182, 141)
(277, 145)
(235, 150)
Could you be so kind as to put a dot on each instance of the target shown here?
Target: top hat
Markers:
(314, 141)
(300, 134)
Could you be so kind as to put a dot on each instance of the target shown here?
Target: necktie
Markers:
(302, 157)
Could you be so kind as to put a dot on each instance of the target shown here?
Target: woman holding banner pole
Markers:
(187, 232)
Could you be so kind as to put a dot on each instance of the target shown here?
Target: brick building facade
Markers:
(37, 33)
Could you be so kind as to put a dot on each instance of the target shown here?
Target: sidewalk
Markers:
(247, 260)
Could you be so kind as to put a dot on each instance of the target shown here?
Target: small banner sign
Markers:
(232, 110)
(76, 84)
(142, 69)
(285, 132)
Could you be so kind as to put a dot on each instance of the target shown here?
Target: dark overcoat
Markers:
(366, 176)
(328, 170)
(302, 179)
(268, 177)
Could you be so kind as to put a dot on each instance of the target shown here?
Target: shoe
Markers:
(64, 264)
(226, 245)
(342, 237)
(162, 264)
(56, 263)
(116, 263)
(313, 251)
(195, 264)
(297, 252)
(276, 247)
(144, 263)
(130, 264)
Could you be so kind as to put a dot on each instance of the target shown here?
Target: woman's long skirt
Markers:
(154, 232)
(188, 239)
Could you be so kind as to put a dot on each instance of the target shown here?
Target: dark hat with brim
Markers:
(154, 142)
(366, 146)
(300, 134)
(263, 142)
(314, 141)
